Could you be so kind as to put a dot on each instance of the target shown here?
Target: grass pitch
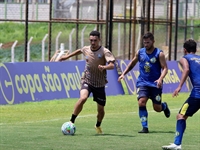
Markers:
(36, 126)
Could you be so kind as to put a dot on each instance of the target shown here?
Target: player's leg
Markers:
(143, 95)
(84, 93)
(99, 96)
(100, 116)
(189, 108)
(180, 128)
(158, 105)
(162, 107)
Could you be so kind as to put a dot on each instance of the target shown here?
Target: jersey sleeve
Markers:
(109, 56)
(83, 49)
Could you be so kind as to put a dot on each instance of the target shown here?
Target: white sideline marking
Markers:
(84, 116)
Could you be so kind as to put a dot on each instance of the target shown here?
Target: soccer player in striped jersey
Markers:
(191, 67)
(98, 60)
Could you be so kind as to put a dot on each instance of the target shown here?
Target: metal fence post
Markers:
(28, 49)
(13, 51)
(5, 13)
(70, 40)
(82, 38)
(43, 47)
(119, 39)
(57, 38)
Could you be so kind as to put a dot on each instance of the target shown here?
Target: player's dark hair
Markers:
(95, 33)
(148, 35)
(190, 45)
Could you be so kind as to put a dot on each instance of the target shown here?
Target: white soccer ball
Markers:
(68, 128)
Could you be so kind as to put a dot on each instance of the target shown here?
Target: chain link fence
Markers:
(47, 23)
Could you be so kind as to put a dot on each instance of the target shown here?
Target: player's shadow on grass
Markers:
(110, 134)
(171, 132)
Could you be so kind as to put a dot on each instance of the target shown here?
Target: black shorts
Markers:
(190, 107)
(153, 93)
(99, 94)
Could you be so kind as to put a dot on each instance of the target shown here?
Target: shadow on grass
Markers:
(171, 132)
(110, 134)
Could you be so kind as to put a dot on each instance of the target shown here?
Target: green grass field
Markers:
(36, 126)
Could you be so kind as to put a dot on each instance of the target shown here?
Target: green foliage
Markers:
(10, 32)
(36, 125)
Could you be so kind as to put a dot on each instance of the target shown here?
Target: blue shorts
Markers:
(99, 94)
(153, 93)
(190, 107)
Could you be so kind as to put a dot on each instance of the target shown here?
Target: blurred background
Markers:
(32, 30)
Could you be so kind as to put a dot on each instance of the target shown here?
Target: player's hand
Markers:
(59, 59)
(175, 93)
(159, 83)
(51, 60)
(120, 77)
(101, 67)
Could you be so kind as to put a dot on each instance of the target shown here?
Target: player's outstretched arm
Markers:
(58, 54)
(164, 67)
(54, 56)
(186, 70)
(110, 66)
(76, 52)
(129, 67)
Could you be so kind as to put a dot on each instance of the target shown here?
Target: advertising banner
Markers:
(171, 80)
(37, 81)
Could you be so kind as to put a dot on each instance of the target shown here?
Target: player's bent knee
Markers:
(158, 109)
(82, 100)
(180, 116)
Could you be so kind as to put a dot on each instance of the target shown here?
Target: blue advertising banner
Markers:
(37, 81)
(171, 80)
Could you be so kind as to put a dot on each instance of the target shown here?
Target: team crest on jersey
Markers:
(158, 98)
(153, 60)
(99, 56)
(147, 67)
(85, 85)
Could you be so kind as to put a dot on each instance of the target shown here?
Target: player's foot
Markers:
(172, 146)
(98, 130)
(167, 111)
(144, 130)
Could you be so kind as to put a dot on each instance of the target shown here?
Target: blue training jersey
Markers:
(149, 67)
(194, 66)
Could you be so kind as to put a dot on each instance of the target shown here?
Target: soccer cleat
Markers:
(98, 130)
(144, 130)
(172, 146)
(167, 111)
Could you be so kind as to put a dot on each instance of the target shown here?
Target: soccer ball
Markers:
(68, 128)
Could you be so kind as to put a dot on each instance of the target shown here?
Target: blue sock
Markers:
(163, 106)
(180, 128)
(143, 114)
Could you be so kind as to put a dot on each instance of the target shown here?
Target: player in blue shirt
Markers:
(191, 67)
(153, 68)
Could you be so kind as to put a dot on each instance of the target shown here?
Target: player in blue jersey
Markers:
(153, 68)
(191, 67)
